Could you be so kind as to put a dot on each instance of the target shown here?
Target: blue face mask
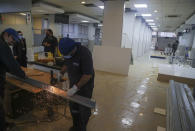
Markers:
(67, 56)
(20, 36)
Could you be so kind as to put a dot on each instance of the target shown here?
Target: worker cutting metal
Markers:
(7, 64)
(79, 65)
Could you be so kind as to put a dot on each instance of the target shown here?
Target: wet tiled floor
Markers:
(124, 103)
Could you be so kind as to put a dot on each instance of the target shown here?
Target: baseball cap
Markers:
(66, 45)
(13, 33)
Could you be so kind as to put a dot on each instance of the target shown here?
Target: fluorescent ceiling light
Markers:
(140, 5)
(83, 2)
(146, 14)
(149, 20)
(155, 11)
(153, 26)
(100, 25)
(41, 11)
(84, 21)
(22, 14)
(101, 7)
(151, 23)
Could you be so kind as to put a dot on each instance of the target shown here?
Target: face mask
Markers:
(20, 36)
(67, 56)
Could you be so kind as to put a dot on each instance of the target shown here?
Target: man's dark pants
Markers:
(80, 114)
(2, 115)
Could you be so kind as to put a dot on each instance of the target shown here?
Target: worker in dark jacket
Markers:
(79, 65)
(174, 46)
(7, 64)
(19, 50)
(50, 42)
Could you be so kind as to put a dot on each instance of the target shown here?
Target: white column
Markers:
(91, 37)
(113, 23)
(110, 57)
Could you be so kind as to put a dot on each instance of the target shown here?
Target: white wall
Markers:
(149, 39)
(140, 42)
(187, 39)
(136, 35)
(128, 28)
(193, 49)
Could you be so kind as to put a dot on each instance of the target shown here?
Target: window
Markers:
(166, 34)
(45, 24)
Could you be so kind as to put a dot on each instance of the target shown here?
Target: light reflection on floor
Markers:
(126, 121)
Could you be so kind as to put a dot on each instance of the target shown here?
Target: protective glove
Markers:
(72, 90)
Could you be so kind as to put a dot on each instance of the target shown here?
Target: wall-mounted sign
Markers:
(28, 18)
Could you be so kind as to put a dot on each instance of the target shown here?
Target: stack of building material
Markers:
(180, 108)
(178, 73)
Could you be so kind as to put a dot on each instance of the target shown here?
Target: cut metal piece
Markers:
(52, 89)
(180, 108)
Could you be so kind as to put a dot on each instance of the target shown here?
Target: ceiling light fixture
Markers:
(151, 24)
(146, 14)
(100, 25)
(155, 28)
(84, 21)
(101, 7)
(149, 20)
(22, 14)
(83, 2)
(155, 11)
(40, 11)
(140, 5)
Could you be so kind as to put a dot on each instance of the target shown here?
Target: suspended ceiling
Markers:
(177, 10)
(171, 13)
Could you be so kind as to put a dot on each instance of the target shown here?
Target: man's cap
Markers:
(66, 45)
(13, 33)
